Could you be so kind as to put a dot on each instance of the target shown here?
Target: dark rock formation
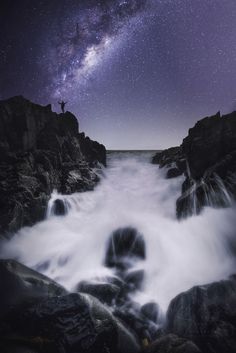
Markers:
(19, 283)
(59, 207)
(174, 159)
(210, 169)
(40, 316)
(105, 292)
(40, 151)
(151, 311)
(172, 344)
(207, 316)
(125, 246)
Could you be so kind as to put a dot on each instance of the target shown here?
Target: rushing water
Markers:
(132, 192)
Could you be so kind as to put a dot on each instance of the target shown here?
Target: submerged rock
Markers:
(206, 315)
(41, 151)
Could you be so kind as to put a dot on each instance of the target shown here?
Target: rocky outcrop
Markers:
(210, 169)
(207, 316)
(173, 159)
(53, 320)
(41, 151)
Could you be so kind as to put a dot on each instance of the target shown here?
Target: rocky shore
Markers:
(41, 151)
(207, 158)
(99, 316)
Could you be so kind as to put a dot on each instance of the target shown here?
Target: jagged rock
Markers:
(172, 158)
(210, 170)
(125, 246)
(172, 344)
(40, 151)
(208, 142)
(206, 315)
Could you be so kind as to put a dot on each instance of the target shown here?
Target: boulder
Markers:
(206, 315)
(125, 246)
(20, 283)
(105, 292)
(151, 311)
(59, 208)
(69, 324)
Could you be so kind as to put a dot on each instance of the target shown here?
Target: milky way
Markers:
(137, 73)
(84, 38)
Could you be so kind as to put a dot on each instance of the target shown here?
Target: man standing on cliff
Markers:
(62, 104)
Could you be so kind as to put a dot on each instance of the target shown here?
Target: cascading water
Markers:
(134, 193)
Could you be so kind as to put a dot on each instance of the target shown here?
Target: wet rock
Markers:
(124, 247)
(70, 324)
(40, 151)
(105, 292)
(59, 208)
(151, 311)
(172, 158)
(206, 315)
(172, 344)
(207, 157)
(134, 279)
(173, 173)
(20, 283)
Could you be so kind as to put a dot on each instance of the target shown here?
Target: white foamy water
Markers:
(132, 192)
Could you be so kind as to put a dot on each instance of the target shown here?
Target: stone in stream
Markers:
(124, 247)
(134, 280)
(105, 292)
(151, 311)
(59, 208)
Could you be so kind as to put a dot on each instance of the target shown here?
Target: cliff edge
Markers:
(40, 151)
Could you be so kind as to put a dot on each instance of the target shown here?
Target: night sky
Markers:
(137, 73)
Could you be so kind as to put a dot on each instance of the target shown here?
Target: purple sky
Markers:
(138, 73)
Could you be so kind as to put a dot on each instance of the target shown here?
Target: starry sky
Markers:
(137, 73)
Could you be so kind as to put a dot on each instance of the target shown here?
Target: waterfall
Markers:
(132, 193)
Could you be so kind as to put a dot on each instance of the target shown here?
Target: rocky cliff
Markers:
(207, 157)
(41, 151)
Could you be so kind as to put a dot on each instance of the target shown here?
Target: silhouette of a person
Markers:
(62, 104)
